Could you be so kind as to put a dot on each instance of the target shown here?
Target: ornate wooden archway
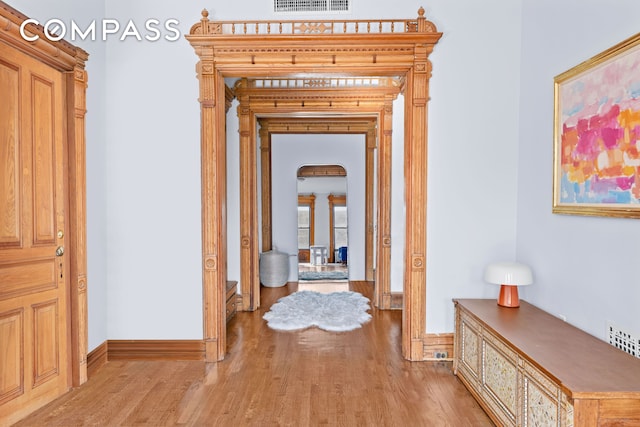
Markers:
(338, 105)
(366, 126)
(267, 49)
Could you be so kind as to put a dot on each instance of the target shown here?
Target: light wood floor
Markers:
(305, 266)
(270, 378)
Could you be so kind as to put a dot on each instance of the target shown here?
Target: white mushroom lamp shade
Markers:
(509, 275)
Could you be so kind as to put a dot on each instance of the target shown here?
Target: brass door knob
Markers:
(60, 251)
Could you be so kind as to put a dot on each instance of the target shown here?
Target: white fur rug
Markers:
(336, 311)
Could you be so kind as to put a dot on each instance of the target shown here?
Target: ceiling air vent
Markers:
(311, 5)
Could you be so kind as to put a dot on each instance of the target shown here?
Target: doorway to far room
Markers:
(322, 228)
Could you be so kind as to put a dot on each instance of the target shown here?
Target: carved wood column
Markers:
(265, 166)
(214, 195)
(383, 272)
(249, 277)
(371, 145)
(77, 243)
(416, 96)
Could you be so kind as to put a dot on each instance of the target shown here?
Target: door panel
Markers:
(34, 292)
(11, 368)
(44, 179)
(9, 156)
(23, 279)
(45, 341)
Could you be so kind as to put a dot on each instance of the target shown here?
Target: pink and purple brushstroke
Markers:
(600, 139)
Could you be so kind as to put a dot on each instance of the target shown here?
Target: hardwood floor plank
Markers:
(310, 377)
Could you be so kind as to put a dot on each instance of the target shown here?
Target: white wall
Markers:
(153, 169)
(398, 211)
(473, 149)
(288, 153)
(324, 185)
(83, 12)
(584, 268)
(96, 126)
(322, 220)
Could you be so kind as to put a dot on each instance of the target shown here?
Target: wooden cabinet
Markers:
(528, 368)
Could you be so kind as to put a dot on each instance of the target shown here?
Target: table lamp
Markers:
(509, 275)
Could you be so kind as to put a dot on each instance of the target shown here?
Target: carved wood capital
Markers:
(228, 97)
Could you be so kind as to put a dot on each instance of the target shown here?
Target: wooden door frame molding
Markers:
(331, 105)
(366, 126)
(334, 200)
(354, 107)
(318, 171)
(291, 48)
(70, 61)
(309, 200)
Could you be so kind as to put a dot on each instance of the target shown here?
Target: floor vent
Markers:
(624, 340)
(311, 5)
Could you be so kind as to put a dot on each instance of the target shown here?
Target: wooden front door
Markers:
(34, 289)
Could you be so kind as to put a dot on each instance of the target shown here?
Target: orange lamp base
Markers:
(508, 296)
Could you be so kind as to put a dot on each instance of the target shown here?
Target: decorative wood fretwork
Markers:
(318, 51)
(328, 27)
(228, 98)
(321, 171)
(324, 125)
(318, 95)
(333, 83)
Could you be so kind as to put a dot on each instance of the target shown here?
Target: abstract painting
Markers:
(597, 135)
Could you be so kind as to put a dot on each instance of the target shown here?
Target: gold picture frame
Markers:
(596, 135)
